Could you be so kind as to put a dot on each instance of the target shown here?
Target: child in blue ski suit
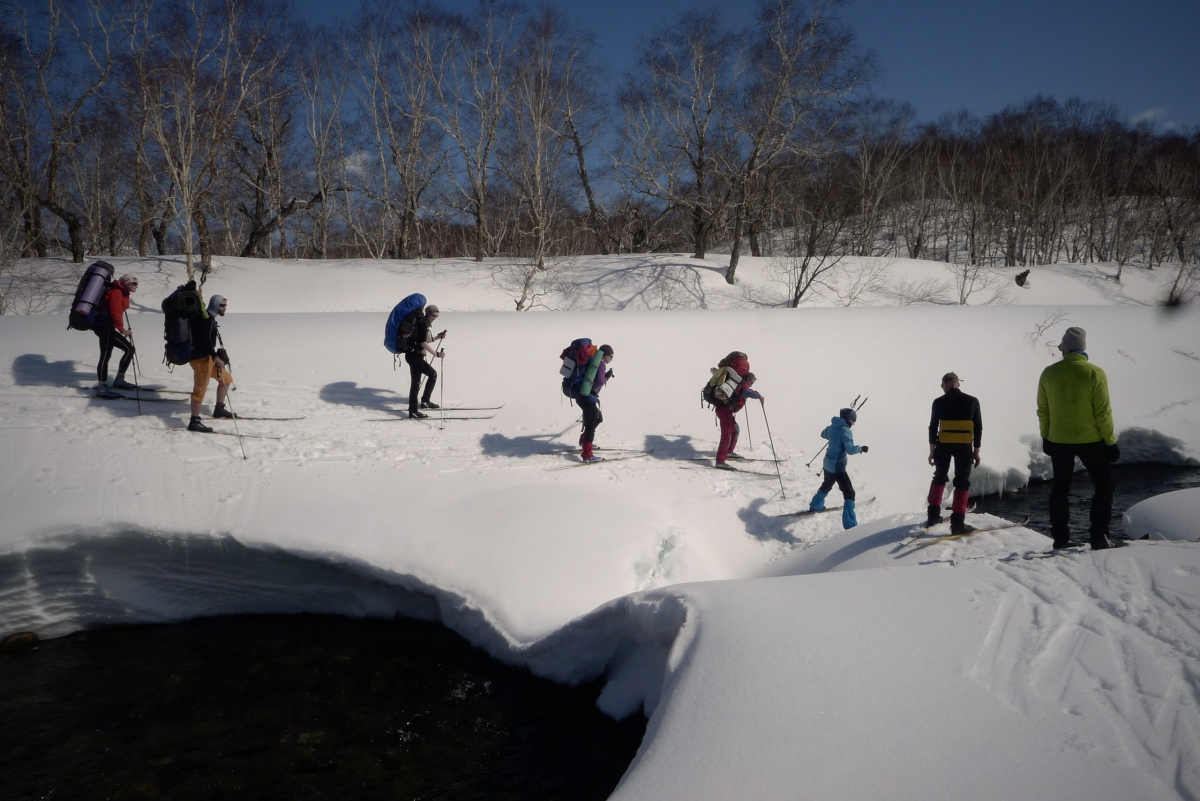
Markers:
(841, 445)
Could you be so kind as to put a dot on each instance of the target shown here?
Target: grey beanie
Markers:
(432, 309)
(1074, 339)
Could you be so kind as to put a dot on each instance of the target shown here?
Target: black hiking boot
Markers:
(1071, 543)
(413, 414)
(196, 424)
(935, 517)
(958, 524)
(221, 412)
(429, 405)
(723, 466)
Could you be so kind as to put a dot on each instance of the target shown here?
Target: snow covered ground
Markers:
(775, 656)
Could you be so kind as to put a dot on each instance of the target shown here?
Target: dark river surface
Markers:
(1133, 483)
(296, 707)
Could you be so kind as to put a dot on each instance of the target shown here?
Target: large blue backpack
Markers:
(395, 337)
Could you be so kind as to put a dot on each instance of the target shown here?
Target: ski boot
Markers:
(935, 517)
(413, 414)
(429, 405)
(220, 411)
(196, 424)
(958, 524)
(817, 504)
(732, 455)
(723, 466)
(849, 518)
(121, 383)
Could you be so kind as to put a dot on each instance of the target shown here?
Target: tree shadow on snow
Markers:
(349, 393)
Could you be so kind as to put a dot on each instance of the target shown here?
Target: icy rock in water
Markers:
(19, 642)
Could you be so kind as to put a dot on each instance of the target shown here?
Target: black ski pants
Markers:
(418, 367)
(963, 457)
(1097, 461)
(111, 338)
(592, 417)
(842, 479)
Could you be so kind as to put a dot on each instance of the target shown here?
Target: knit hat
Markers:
(606, 350)
(431, 309)
(1074, 339)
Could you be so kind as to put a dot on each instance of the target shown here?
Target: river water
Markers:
(296, 707)
(1133, 483)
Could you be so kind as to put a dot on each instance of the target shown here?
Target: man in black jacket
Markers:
(955, 431)
(421, 341)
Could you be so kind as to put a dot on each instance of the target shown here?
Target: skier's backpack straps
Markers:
(395, 339)
(93, 286)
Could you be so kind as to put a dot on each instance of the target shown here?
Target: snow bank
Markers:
(1170, 516)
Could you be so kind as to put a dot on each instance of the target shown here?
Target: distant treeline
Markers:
(231, 127)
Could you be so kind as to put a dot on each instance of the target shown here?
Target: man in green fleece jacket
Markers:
(1075, 418)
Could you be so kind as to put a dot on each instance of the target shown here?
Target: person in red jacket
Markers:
(112, 333)
(727, 414)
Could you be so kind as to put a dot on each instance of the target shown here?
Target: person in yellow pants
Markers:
(210, 364)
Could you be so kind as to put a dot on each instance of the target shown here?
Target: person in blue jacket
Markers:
(841, 445)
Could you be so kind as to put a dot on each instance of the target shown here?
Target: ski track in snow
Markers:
(1112, 638)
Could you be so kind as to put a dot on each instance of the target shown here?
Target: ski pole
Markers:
(749, 437)
(229, 400)
(810, 461)
(442, 391)
(782, 491)
(136, 381)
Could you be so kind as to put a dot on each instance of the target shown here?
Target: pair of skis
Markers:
(810, 512)
(118, 396)
(437, 414)
(619, 456)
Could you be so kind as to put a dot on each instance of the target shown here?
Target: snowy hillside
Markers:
(775, 656)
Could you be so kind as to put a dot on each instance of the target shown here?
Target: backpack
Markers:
(400, 324)
(181, 308)
(576, 360)
(86, 313)
(723, 385)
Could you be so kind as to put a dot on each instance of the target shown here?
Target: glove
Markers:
(224, 357)
(865, 449)
(1114, 453)
(593, 398)
(609, 374)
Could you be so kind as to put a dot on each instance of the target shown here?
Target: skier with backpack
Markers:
(109, 327)
(585, 371)
(728, 391)
(209, 362)
(841, 445)
(420, 342)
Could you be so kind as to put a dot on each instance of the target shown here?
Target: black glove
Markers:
(1114, 453)
(865, 449)
(224, 357)
(610, 373)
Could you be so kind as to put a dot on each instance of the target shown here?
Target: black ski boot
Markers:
(413, 414)
(958, 524)
(429, 405)
(121, 383)
(935, 517)
(197, 424)
(220, 411)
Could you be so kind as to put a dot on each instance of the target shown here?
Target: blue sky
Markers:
(942, 55)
